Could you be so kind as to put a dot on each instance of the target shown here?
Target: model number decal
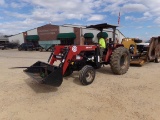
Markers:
(88, 47)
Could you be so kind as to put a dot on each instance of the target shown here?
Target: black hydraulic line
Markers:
(50, 57)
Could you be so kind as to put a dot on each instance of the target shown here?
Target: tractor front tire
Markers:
(120, 61)
(87, 75)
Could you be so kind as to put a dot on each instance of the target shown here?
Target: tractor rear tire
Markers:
(87, 75)
(120, 61)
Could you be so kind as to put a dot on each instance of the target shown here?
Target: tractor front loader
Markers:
(82, 58)
(72, 58)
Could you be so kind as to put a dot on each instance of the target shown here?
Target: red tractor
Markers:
(82, 58)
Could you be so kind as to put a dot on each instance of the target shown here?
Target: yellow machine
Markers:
(129, 42)
(143, 52)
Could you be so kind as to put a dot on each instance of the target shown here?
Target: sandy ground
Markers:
(133, 96)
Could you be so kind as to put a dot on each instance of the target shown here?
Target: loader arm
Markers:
(57, 51)
(65, 54)
(73, 51)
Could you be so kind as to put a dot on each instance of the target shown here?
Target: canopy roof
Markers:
(66, 35)
(32, 37)
(102, 26)
(88, 35)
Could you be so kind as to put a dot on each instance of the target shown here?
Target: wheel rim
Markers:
(123, 61)
(89, 75)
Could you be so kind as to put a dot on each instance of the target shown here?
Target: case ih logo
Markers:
(74, 49)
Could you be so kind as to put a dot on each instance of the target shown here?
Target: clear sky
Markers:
(139, 18)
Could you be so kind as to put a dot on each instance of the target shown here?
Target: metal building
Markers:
(3, 39)
(50, 32)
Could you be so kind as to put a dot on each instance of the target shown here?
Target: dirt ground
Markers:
(132, 96)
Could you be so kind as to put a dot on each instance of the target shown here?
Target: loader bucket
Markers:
(45, 73)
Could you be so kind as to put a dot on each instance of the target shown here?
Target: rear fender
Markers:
(110, 50)
(118, 45)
